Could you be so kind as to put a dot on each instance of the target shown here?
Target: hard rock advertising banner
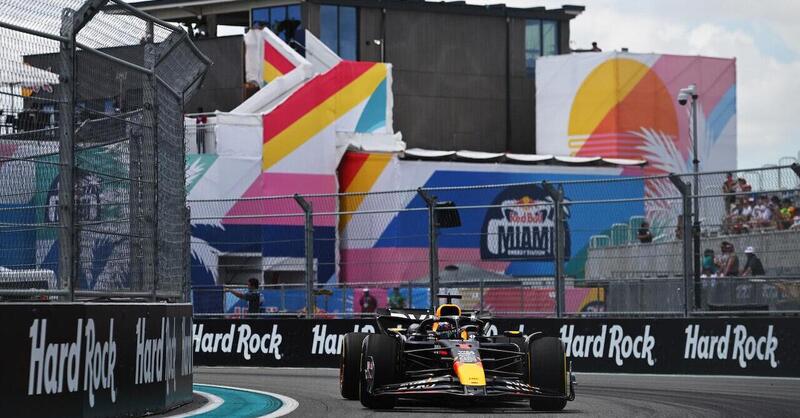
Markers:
(85, 360)
(717, 346)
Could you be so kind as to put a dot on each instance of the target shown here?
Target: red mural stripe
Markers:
(277, 59)
(350, 166)
(311, 95)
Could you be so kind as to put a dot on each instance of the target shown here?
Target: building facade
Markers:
(463, 74)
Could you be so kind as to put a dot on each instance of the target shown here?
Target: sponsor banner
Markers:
(95, 359)
(521, 226)
(274, 343)
(724, 346)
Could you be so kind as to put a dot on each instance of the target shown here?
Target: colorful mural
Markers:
(514, 241)
(624, 105)
(292, 148)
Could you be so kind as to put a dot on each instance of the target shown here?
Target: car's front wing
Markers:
(448, 385)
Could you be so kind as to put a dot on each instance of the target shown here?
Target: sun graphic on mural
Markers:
(624, 110)
(617, 101)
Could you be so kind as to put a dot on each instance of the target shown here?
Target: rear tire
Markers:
(350, 364)
(547, 370)
(381, 350)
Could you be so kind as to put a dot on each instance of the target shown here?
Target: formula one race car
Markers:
(416, 354)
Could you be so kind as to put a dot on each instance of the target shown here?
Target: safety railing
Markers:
(613, 246)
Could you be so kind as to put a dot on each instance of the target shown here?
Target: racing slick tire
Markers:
(547, 369)
(349, 364)
(378, 367)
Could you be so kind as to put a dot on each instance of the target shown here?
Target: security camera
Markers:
(682, 98)
(685, 93)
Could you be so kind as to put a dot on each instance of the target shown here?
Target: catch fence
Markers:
(92, 202)
(613, 246)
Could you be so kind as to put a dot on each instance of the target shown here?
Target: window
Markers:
(338, 29)
(541, 38)
(283, 20)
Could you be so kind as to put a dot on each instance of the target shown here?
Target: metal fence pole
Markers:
(344, 297)
(308, 210)
(559, 243)
(410, 294)
(796, 168)
(433, 247)
(686, 192)
(66, 190)
(481, 284)
(187, 254)
(150, 118)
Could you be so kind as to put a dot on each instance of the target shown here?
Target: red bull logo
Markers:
(522, 226)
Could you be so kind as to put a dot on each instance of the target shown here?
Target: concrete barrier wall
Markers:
(776, 249)
(94, 360)
(725, 346)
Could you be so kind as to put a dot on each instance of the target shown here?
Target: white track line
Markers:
(288, 406)
(213, 403)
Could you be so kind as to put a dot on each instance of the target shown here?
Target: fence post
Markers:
(308, 211)
(481, 294)
(433, 247)
(796, 168)
(67, 260)
(559, 240)
(410, 295)
(686, 192)
(150, 155)
(186, 283)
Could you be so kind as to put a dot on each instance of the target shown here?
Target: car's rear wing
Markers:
(403, 318)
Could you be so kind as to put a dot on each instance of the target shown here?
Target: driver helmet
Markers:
(444, 327)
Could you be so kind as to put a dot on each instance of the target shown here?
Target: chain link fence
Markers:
(600, 247)
(92, 152)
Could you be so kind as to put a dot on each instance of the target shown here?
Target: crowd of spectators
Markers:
(726, 264)
(746, 211)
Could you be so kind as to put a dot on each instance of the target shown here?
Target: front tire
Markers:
(547, 370)
(378, 367)
(349, 364)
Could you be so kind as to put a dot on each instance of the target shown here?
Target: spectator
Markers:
(775, 204)
(367, 302)
(729, 189)
(200, 131)
(252, 296)
(679, 228)
(644, 234)
(787, 213)
(753, 266)
(595, 48)
(747, 208)
(396, 300)
(743, 186)
(709, 268)
(736, 221)
(796, 224)
(728, 262)
(762, 214)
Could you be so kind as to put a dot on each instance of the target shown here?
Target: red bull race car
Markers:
(416, 354)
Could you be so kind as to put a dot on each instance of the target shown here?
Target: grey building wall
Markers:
(449, 78)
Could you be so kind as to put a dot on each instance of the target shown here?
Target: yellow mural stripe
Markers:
(604, 88)
(284, 143)
(362, 182)
(270, 72)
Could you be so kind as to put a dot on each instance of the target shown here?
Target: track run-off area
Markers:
(317, 394)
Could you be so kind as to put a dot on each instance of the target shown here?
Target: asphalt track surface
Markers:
(317, 391)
